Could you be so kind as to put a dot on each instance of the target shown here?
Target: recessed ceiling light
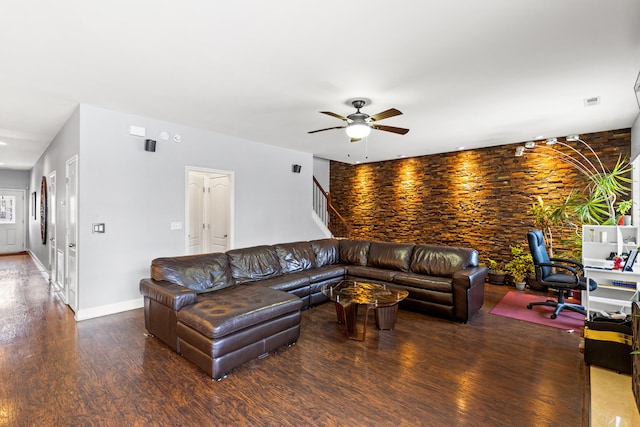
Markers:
(3, 143)
(460, 148)
(538, 137)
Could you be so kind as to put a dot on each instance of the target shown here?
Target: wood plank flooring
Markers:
(492, 371)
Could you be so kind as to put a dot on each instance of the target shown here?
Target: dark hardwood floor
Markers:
(492, 371)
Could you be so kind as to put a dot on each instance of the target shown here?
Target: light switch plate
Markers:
(98, 228)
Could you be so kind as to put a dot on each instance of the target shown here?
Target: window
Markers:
(7, 210)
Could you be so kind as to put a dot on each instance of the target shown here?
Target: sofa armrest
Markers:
(168, 294)
(470, 277)
(468, 292)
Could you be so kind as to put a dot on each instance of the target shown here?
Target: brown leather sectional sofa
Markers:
(220, 310)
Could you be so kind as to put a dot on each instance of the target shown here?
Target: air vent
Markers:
(590, 102)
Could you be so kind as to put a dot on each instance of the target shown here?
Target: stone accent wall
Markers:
(475, 198)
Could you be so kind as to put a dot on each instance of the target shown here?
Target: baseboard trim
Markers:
(105, 310)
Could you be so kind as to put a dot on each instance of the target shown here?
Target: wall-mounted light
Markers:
(296, 168)
(519, 151)
(529, 144)
(150, 145)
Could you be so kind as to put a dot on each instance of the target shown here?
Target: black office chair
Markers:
(557, 273)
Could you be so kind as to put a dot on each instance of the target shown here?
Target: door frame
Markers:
(206, 171)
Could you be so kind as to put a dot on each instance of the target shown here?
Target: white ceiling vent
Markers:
(590, 102)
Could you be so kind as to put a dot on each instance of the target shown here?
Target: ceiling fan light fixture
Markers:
(358, 130)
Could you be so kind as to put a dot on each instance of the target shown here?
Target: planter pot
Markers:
(533, 284)
(496, 278)
(520, 285)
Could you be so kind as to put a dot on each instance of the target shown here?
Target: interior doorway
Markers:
(209, 211)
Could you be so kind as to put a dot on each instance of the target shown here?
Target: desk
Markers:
(608, 296)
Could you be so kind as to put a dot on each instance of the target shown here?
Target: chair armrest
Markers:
(566, 267)
(168, 294)
(569, 261)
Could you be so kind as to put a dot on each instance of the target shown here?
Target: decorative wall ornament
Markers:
(43, 210)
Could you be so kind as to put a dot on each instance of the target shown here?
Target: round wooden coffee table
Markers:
(348, 295)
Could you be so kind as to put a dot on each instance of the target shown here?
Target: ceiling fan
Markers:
(360, 124)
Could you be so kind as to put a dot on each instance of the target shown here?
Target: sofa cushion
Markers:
(286, 282)
(440, 284)
(201, 273)
(218, 314)
(354, 251)
(296, 256)
(357, 271)
(256, 263)
(445, 261)
(327, 272)
(392, 256)
(327, 251)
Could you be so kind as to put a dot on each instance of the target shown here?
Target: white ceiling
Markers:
(464, 72)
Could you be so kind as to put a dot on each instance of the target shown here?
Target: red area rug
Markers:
(514, 306)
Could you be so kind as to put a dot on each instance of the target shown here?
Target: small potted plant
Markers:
(496, 274)
(623, 209)
(520, 267)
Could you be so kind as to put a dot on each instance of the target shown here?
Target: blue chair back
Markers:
(538, 253)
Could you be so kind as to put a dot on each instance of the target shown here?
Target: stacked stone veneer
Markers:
(475, 198)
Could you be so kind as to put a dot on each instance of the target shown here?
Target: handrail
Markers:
(325, 210)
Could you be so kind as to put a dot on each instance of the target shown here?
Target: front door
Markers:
(12, 225)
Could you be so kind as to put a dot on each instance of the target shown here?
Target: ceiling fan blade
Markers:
(321, 130)
(391, 112)
(337, 116)
(393, 129)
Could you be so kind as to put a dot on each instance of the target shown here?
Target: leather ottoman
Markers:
(234, 325)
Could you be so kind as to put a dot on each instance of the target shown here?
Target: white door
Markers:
(12, 227)
(208, 211)
(195, 225)
(53, 254)
(218, 221)
(71, 282)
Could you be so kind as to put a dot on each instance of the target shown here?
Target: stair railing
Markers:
(331, 218)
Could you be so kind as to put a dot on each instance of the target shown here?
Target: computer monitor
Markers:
(628, 265)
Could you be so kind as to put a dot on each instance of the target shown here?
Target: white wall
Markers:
(321, 171)
(65, 145)
(14, 179)
(137, 194)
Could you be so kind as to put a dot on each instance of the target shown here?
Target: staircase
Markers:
(327, 214)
